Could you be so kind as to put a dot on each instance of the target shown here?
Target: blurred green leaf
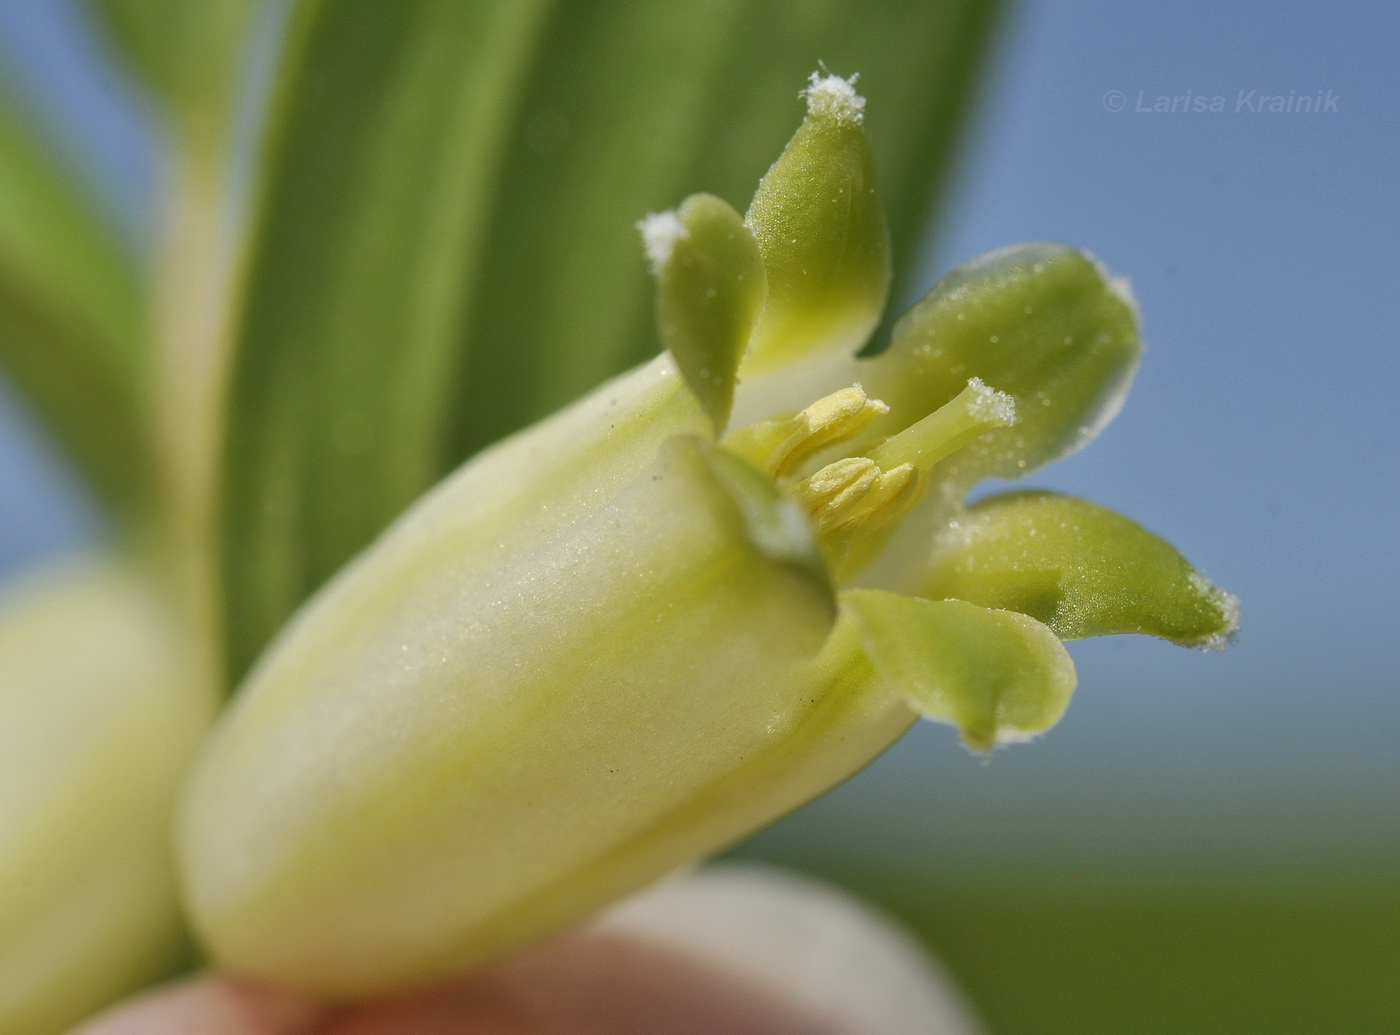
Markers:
(444, 245)
(188, 51)
(388, 126)
(70, 334)
(1155, 960)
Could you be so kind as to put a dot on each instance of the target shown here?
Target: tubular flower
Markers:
(697, 598)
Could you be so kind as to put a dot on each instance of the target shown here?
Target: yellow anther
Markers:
(853, 497)
(889, 499)
(851, 503)
(781, 445)
(828, 494)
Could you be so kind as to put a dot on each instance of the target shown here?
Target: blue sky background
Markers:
(1261, 436)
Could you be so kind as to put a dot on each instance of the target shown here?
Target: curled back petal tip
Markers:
(999, 676)
(1079, 568)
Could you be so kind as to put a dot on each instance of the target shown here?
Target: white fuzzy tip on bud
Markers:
(660, 231)
(832, 97)
(987, 404)
(1229, 605)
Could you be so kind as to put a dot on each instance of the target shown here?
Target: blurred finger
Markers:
(805, 942)
(210, 1006)
(740, 950)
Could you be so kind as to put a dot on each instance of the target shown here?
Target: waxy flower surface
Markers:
(715, 587)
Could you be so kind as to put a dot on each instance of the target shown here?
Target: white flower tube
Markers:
(486, 727)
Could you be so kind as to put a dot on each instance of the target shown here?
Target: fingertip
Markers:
(814, 946)
(210, 1005)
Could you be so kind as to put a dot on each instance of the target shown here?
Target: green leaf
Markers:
(389, 124)
(1079, 568)
(710, 287)
(70, 336)
(444, 247)
(188, 51)
(999, 676)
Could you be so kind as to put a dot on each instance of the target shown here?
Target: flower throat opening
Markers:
(856, 497)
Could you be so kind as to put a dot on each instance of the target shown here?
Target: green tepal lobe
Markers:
(999, 676)
(822, 232)
(1079, 568)
(1043, 323)
(710, 286)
